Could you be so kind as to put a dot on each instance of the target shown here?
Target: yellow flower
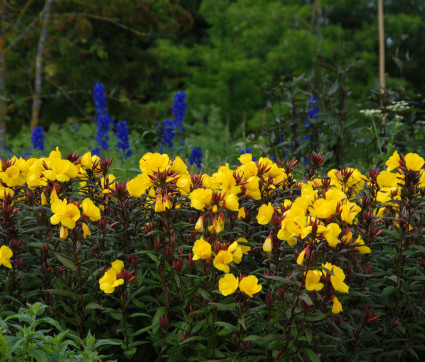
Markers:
(61, 170)
(64, 213)
(43, 199)
(199, 226)
(245, 248)
(336, 307)
(201, 250)
(268, 245)
(349, 211)
(331, 234)
(86, 230)
(91, 210)
(323, 208)
(393, 162)
(414, 162)
(63, 233)
(200, 198)
(35, 173)
(245, 158)
(337, 279)
(109, 281)
(53, 197)
(117, 265)
(154, 162)
(228, 284)
(265, 214)
(232, 202)
(5, 191)
(236, 251)
(183, 183)
(5, 255)
(361, 247)
(242, 213)
(217, 225)
(312, 280)
(91, 161)
(222, 259)
(16, 174)
(387, 179)
(107, 182)
(249, 285)
(179, 166)
(300, 258)
(87, 161)
(253, 186)
(137, 186)
(159, 205)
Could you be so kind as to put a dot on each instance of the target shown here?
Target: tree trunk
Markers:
(39, 64)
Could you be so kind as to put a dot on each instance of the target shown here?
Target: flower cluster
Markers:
(37, 138)
(370, 112)
(398, 106)
(172, 126)
(122, 135)
(196, 157)
(102, 117)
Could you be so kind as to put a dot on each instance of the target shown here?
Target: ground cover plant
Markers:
(266, 260)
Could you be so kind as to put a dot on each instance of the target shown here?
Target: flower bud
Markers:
(163, 321)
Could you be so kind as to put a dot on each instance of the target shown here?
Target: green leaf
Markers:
(227, 326)
(94, 306)
(65, 261)
(160, 312)
(315, 317)
(311, 354)
(194, 338)
(266, 338)
(38, 354)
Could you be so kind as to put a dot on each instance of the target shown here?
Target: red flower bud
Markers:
(45, 248)
(191, 262)
(163, 321)
(169, 251)
(157, 245)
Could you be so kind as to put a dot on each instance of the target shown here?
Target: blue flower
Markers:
(171, 126)
(102, 117)
(179, 107)
(37, 138)
(312, 113)
(168, 133)
(103, 126)
(123, 143)
(314, 108)
(196, 157)
(99, 97)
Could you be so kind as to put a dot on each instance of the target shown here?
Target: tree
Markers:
(56, 51)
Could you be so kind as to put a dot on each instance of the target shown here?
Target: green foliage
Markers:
(26, 341)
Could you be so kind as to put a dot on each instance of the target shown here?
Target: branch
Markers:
(21, 14)
(23, 33)
(66, 94)
(103, 18)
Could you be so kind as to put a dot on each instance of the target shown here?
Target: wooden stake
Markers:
(381, 47)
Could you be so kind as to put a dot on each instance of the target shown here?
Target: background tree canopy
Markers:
(225, 54)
